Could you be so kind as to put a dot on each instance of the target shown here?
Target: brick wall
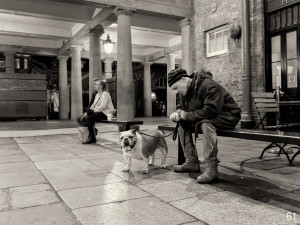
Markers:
(227, 69)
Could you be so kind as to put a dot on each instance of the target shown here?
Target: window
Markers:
(216, 41)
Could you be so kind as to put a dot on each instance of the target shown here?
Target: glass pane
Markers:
(212, 44)
(292, 73)
(219, 41)
(291, 45)
(276, 74)
(276, 52)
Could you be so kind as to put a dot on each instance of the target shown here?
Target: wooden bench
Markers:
(126, 124)
(256, 135)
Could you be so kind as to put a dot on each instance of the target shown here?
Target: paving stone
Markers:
(288, 200)
(40, 215)
(32, 195)
(55, 138)
(89, 196)
(74, 164)
(16, 166)
(107, 155)
(70, 172)
(179, 189)
(288, 174)
(146, 211)
(26, 140)
(231, 209)
(10, 151)
(20, 178)
(48, 154)
(108, 164)
(94, 179)
(196, 223)
(4, 205)
(80, 148)
(19, 157)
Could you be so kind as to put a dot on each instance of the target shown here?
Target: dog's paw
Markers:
(126, 169)
(145, 171)
(163, 166)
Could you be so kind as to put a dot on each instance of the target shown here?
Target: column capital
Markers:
(171, 55)
(125, 12)
(108, 59)
(147, 63)
(97, 30)
(76, 47)
(184, 22)
(62, 57)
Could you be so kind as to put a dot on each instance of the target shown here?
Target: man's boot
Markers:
(210, 174)
(187, 167)
(91, 138)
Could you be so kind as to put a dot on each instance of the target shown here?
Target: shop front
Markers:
(282, 24)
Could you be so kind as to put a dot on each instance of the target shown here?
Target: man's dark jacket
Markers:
(208, 101)
(92, 99)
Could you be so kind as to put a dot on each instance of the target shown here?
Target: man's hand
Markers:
(182, 114)
(174, 117)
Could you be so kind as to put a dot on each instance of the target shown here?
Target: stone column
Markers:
(171, 96)
(185, 33)
(76, 83)
(63, 88)
(147, 89)
(9, 62)
(108, 67)
(247, 120)
(95, 64)
(125, 97)
(25, 63)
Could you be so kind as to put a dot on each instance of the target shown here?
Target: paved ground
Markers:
(48, 177)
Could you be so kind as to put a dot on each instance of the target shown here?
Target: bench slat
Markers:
(256, 135)
(260, 100)
(262, 95)
(268, 109)
(131, 122)
(266, 105)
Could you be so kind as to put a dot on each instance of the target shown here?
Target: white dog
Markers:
(143, 146)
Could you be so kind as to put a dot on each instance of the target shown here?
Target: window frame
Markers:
(215, 31)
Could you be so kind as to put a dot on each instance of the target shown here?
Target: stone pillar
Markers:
(63, 88)
(95, 64)
(247, 120)
(25, 63)
(147, 89)
(76, 83)
(9, 62)
(108, 67)
(125, 97)
(185, 33)
(171, 96)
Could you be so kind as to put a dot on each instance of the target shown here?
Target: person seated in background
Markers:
(95, 92)
(101, 109)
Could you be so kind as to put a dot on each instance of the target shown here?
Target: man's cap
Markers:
(175, 75)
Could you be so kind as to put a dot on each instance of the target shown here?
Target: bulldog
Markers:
(140, 145)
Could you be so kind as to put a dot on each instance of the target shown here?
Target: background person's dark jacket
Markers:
(208, 101)
(92, 99)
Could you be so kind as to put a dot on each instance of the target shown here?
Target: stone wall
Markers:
(227, 69)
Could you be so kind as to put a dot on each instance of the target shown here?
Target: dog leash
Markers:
(175, 132)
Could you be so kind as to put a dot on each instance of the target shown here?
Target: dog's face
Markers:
(128, 140)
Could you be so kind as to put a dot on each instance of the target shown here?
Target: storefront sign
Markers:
(272, 5)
